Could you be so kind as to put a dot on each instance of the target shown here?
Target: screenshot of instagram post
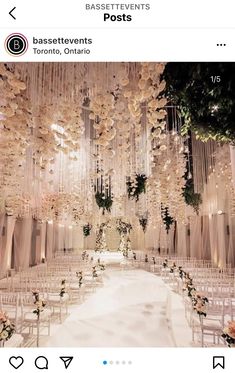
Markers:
(117, 187)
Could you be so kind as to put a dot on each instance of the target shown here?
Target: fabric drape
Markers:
(22, 243)
(195, 237)
(181, 240)
(7, 244)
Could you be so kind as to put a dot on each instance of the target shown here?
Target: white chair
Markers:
(30, 320)
(209, 328)
(9, 303)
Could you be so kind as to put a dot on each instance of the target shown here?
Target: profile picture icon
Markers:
(16, 44)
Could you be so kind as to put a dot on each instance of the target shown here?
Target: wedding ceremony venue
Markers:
(117, 204)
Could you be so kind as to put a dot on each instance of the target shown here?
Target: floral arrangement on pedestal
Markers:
(229, 334)
(199, 302)
(80, 277)
(7, 328)
(39, 303)
(100, 243)
(165, 263)
(173, 267)
(84, 255)
(136, 186)
(87, 229)
(124, 229)
(122, 243)
(101, 266)
(94, 272)
(62, 289)
(188, 286)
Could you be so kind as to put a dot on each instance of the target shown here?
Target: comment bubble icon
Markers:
(41, 362)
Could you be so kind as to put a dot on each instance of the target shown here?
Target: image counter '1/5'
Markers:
(117, 18)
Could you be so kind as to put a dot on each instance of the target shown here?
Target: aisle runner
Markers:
(129, 311)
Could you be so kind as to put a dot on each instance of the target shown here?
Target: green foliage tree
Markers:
(205, 95)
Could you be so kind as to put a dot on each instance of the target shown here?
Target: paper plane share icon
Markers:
(66, 360)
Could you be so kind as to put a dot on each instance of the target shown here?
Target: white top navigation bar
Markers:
(118, 14)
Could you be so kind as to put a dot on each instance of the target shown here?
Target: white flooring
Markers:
(133, 308)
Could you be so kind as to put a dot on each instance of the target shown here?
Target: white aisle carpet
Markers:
(130, 310)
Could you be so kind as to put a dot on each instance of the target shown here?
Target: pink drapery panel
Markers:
(49, 240)
(231, 245)
(152, 237)
(163, 240)
(136, 239)
(221, 234)
(195, 237)
(59, 237)
(219, 240)
(140, 239)
(43, 241)
(181, 240)
(2, 221)
(7, 246)
(22, 243)
(206, 249)
(40, 242)
(171, 239)
(213, 239)
(78, 240)
(17, 252)
(68, 240)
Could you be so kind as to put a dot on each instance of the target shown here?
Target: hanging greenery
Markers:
(166, 218)
(191, 198)
(104, 201)
(87, 229)
(205, 94)
(143, 222)
(136, 187)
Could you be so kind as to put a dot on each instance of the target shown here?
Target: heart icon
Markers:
(16, 361)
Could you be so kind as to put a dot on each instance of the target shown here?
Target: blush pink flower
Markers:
(231, 329)
(3, 317)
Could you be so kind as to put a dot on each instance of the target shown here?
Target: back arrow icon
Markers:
(11, 12)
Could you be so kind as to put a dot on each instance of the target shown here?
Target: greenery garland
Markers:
(166, 218)
(87, 229)
(134, 189)
(191, 198)
(104, 201)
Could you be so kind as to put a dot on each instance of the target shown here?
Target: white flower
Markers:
(4, 335)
